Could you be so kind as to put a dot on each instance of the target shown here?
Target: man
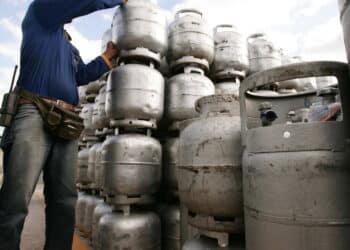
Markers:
(52, 69)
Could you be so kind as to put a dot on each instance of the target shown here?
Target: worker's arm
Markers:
(87, 73)
(55, 13)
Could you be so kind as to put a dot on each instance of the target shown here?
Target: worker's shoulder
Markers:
(30, 17)
(36, 18)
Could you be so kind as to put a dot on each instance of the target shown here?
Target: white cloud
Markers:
(10, 51)
(325, 41)
(9, 25)
(6, 76)
(311, 7)
(107, 17)
(16, 2)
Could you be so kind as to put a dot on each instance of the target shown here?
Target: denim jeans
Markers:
(30, 149)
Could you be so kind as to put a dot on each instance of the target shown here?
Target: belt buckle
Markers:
(59, 103)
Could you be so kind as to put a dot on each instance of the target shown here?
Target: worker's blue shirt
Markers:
(50, 65)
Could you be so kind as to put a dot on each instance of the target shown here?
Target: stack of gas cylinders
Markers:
(203, 139)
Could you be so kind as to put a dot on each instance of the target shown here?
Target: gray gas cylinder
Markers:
(86, 114)
(82, 167)
(231, 52)
(263, 54)
(210, 153)
(132, 168)
(80, 210)
(135, 231)
(99, 116)
(99, 170)
(140, 24)
(91, 171)
(135, 93)
(296, 177)
(187, 231)
(92, 90)
(183, 90)
(190, 36)
(100, 210)
(91, 203)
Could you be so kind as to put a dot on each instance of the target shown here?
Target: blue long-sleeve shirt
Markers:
(50, 65)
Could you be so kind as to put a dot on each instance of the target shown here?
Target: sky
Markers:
(307, 28)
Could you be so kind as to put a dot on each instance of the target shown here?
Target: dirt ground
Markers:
(34, 229)
(33, 236)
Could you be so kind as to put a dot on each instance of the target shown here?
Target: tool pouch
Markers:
(8, 108)
(60, 122)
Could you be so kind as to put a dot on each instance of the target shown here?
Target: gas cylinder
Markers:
(140, 24)
(91, 204)
(231, 52)
(263, 54)
(135, 231)
(132, 168)
(183, 90)
(100, 210)
(295, 175)
(135, 94)
(210, 153)
(190, 36)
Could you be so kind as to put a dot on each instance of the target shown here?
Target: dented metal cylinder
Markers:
(210, 153)
(91, 203)
(183, 90)
(82, 167)
(296, 176)
(135, 231)
(190, 28)
(91, 171)
(263, 54)
(135, 92)
(99, 116)
(101, 210)
(132, 168)
(231, 52)
(140, 24)
(80, 211)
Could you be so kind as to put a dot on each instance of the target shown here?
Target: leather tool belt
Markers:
(59, 103)
(59, 117)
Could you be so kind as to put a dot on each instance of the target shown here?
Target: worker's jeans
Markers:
(28, 150)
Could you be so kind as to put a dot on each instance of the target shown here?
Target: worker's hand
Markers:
(111, 51)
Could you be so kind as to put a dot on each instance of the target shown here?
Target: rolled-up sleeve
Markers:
(54, 13)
